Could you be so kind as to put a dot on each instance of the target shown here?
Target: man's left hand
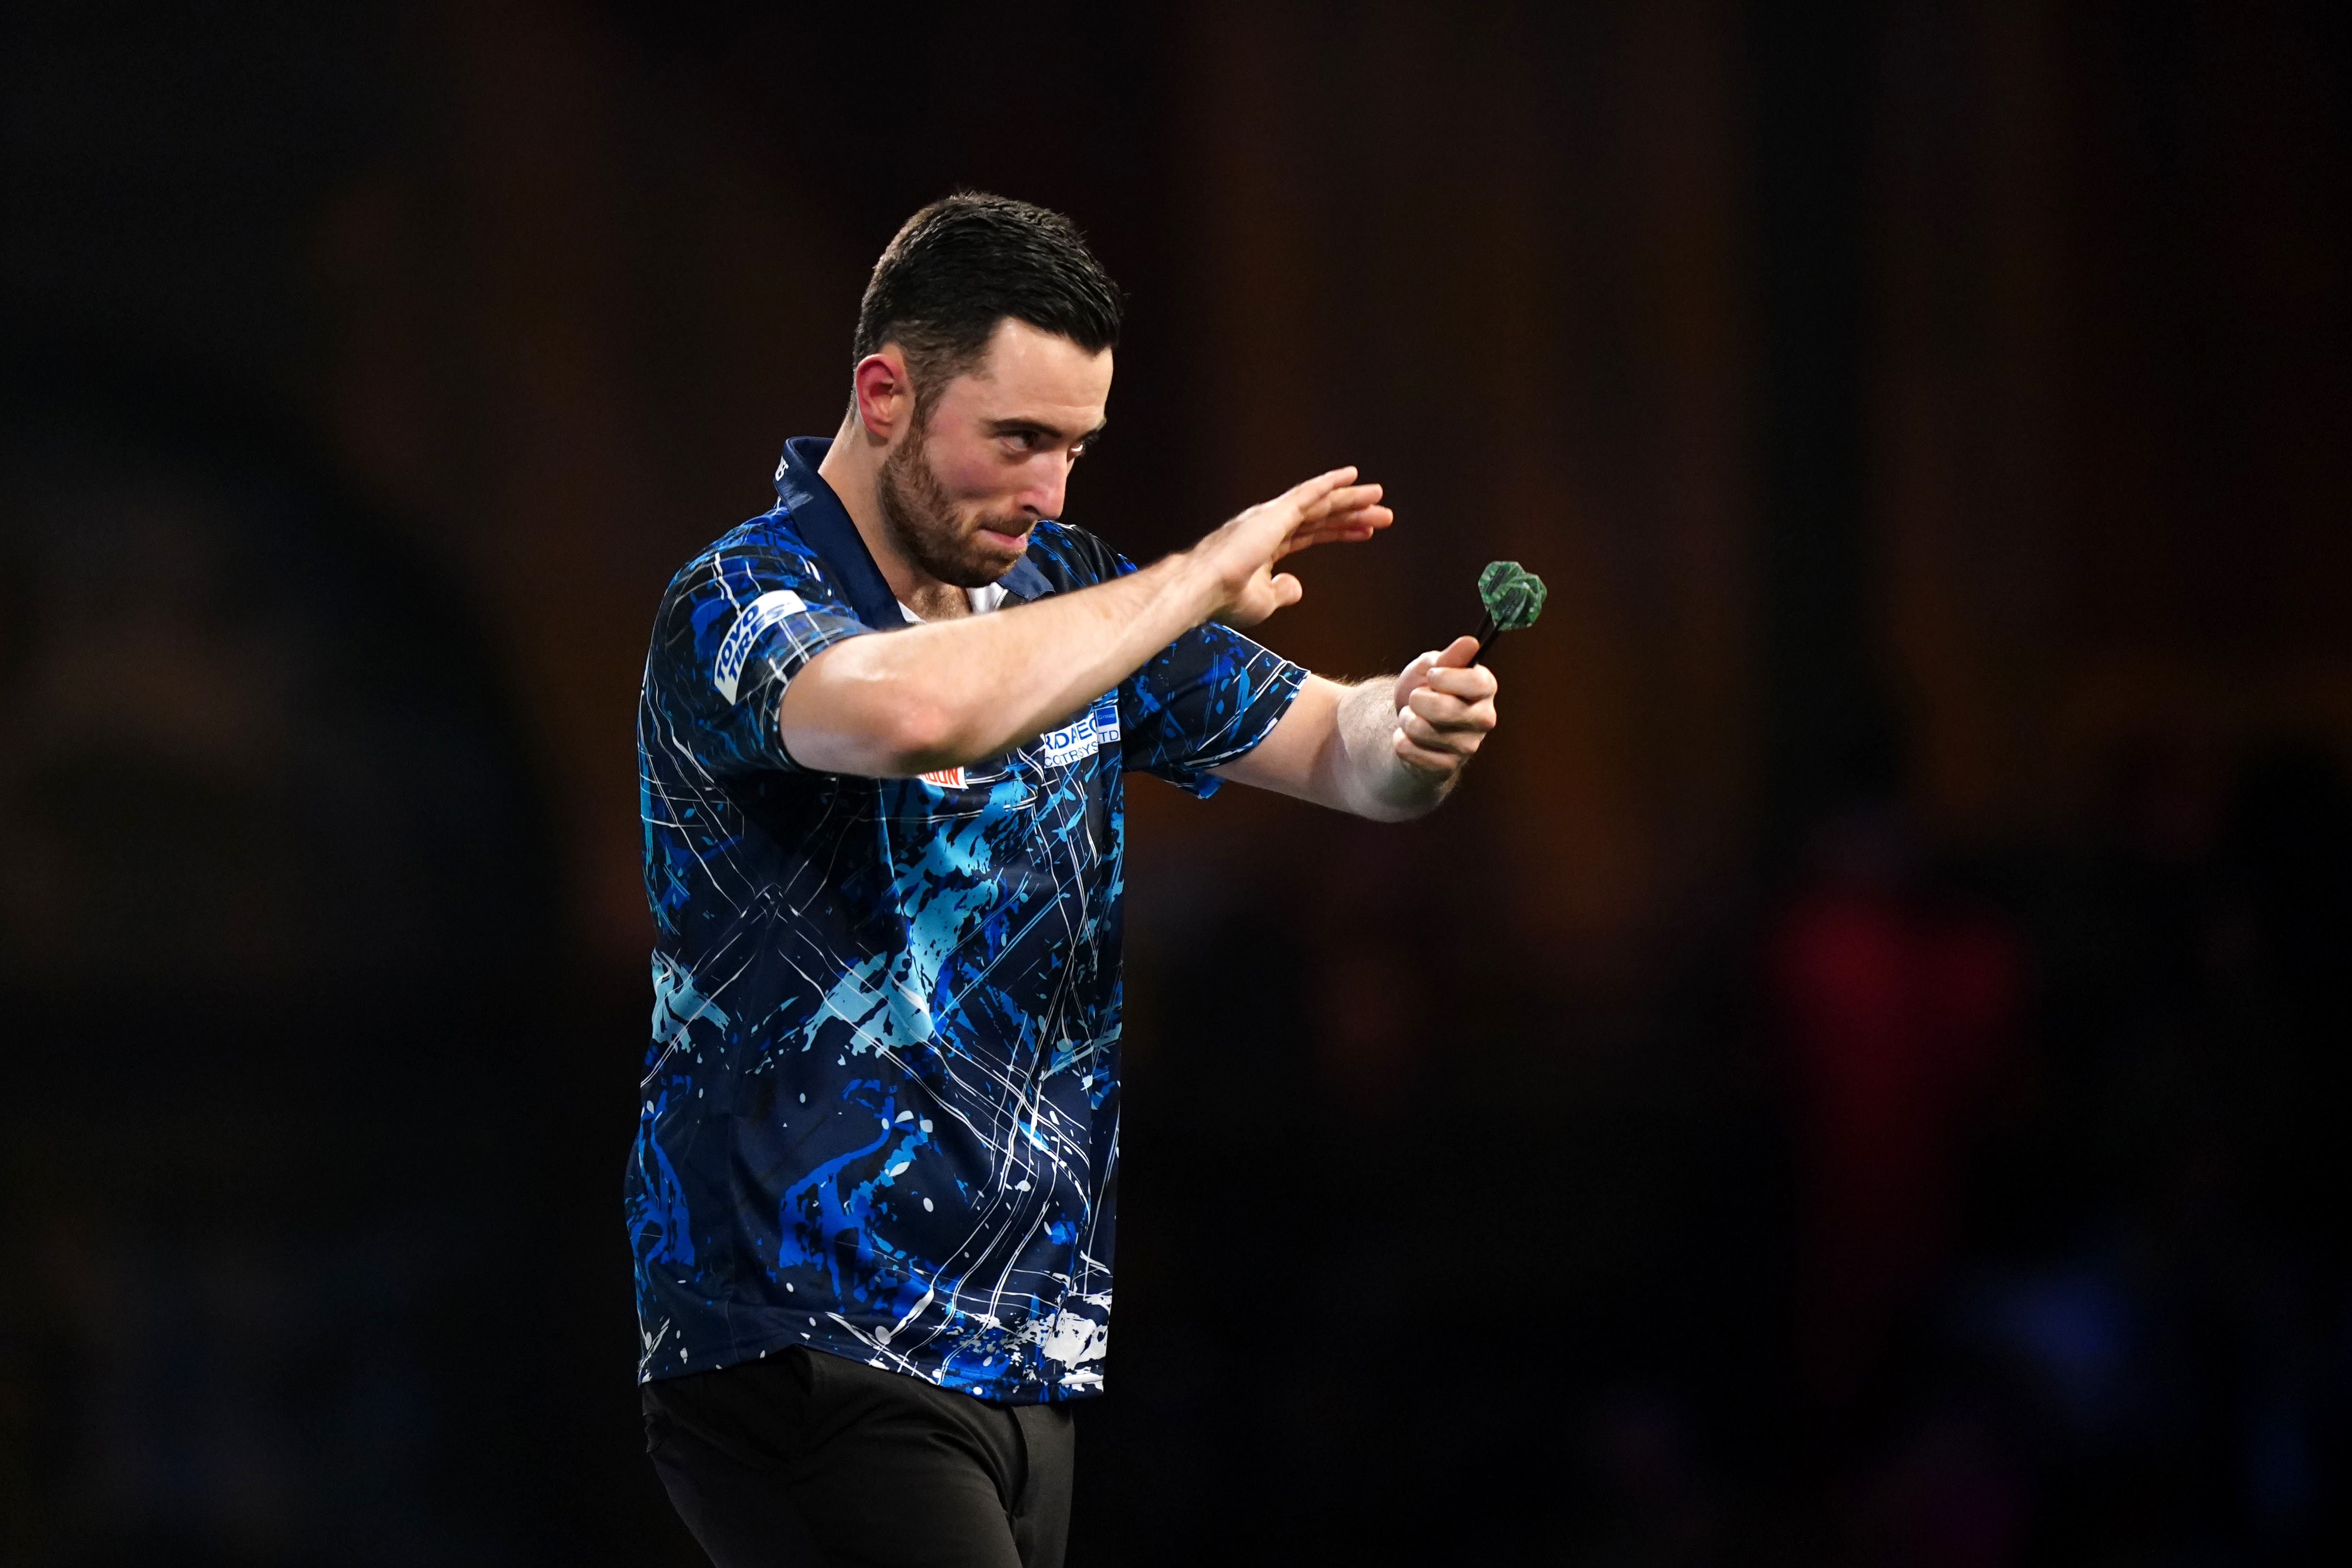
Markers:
(1445, 707)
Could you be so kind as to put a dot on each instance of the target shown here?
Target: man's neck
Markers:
(852, 468)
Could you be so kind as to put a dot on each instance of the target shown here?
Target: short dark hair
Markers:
(964, 263)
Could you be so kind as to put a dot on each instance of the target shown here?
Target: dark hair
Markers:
(964, 263)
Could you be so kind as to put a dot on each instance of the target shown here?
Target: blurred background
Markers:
(1853, 1078)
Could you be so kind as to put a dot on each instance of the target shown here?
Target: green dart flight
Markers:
(1513, 597)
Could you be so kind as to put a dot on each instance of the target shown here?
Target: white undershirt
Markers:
(982, 600)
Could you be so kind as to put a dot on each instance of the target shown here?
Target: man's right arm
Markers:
(945, 693)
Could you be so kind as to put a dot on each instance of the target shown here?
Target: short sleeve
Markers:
(1202, 700)
(734, 628)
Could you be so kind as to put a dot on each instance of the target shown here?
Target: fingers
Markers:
(1435, 718)
(1348, 528)
(1440, 748)
(1411, 678)
(1329, 506)
(1368, 513)
(1310, 493)
(1328, 509)
(1476, 684)
(1415, 755)
(1445, 708)
(1338, 500)
(1459, 653)
(1326, 497)
(1436, 747)
(1444, 718)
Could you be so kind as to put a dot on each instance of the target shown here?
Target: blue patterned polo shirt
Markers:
(879, 1114)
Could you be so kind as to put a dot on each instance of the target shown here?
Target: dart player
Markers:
(882, 743)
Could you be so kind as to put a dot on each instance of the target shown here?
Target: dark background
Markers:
(1852, 1080)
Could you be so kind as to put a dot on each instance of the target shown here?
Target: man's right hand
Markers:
(1237, 563)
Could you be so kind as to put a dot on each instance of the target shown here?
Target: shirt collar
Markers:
(824, 526)
(981, 601)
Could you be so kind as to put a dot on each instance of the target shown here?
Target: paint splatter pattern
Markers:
(880, 1110)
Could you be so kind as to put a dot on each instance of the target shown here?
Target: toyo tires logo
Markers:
(757, 615)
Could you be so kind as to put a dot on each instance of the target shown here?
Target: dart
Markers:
(1513, 597)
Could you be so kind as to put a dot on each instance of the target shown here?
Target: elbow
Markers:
(924, 735)
(912, 725)
(854, 711)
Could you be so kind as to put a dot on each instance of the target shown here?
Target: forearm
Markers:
(1353, 749)
(950, 692)
(1337, 747)
(1362, 772)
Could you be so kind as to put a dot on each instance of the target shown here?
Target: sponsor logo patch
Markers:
(757, 615)
(946, 778)
(1082, 739)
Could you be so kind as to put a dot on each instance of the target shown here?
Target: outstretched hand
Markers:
(1239, 557)
(1445, 708)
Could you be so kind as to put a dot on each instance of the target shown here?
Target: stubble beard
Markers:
(920, 518)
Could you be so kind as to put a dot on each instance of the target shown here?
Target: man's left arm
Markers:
(1388, 749)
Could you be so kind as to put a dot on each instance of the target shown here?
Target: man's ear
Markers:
(885, 398)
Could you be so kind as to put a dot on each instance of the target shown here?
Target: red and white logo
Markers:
(946, 778)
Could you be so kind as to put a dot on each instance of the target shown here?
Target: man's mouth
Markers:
(1013, 544)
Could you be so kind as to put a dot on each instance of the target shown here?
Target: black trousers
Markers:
(807, 1461)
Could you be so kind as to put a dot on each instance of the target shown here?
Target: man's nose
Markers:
(1049, 477)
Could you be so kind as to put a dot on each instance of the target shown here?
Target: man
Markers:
(871, 1195)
